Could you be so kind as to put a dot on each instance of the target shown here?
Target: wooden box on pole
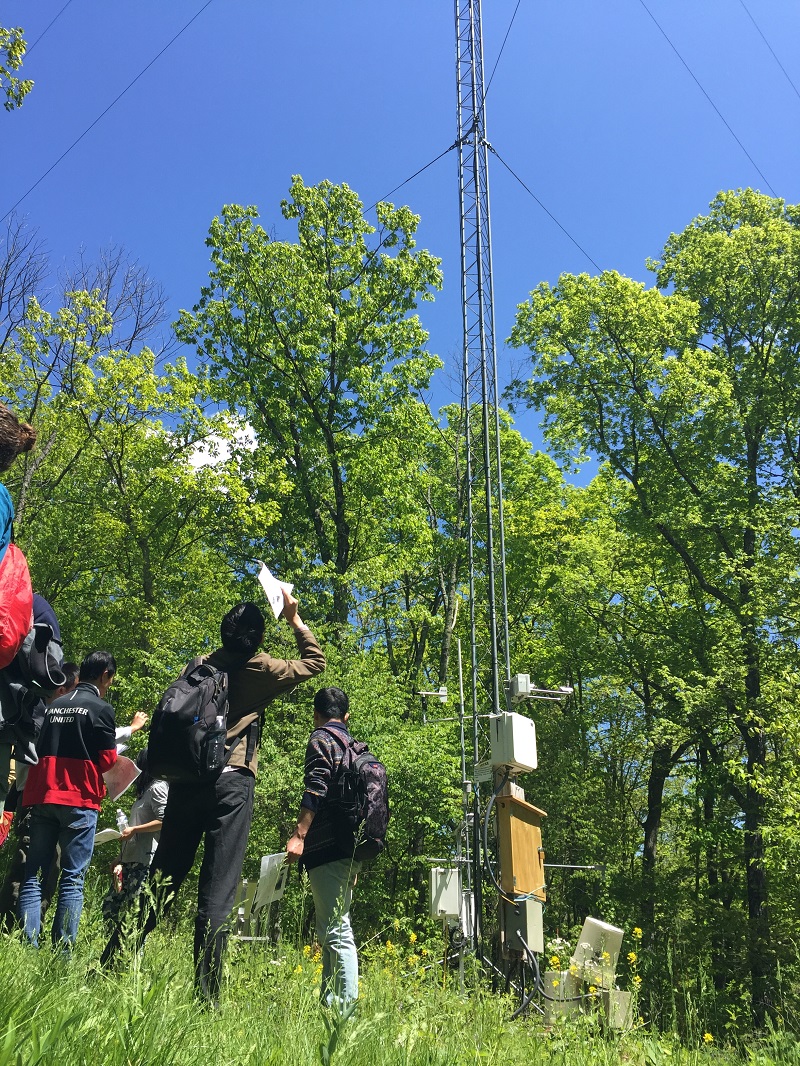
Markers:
(519, 835)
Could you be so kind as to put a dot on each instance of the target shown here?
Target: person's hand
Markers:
(139, 721)
(128, 831)
(116, 873)
(290, 611)
(290, 605)
(294, 848)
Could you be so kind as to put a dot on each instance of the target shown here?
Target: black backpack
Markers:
(34, 673)
(188, 727)
(360, 792)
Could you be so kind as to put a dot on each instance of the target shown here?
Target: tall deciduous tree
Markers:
(128, 518)
(317, 343)
(692, 394)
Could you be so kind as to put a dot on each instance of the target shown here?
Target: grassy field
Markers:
(67, 1013)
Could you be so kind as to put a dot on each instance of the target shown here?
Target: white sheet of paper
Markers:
(102, 836)
(271, 881)
(273, 589)
(121, 776)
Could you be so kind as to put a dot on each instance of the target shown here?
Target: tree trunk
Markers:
(760, 953)
(661, 763)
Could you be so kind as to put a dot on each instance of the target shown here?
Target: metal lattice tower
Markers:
(479, 357)
(486, 551)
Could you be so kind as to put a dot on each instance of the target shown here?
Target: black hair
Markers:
(145, 778)
(70, 672)
(331, 703)
(242, 629)
(95, 665)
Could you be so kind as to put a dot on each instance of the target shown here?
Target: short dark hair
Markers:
(95, 665)
(331, 703)
(70, 672)
(15, 437)
(242, 629)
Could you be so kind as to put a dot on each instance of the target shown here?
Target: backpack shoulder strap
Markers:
(347, 743)
(337, 735)
(347, 740)
(201, 667)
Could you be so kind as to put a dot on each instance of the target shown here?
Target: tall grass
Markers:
(67, 1013)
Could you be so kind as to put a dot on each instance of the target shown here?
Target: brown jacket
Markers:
(257, 682)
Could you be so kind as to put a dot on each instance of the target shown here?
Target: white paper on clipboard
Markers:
(121, 776)
(102, 836)
(271, 881)
(273, 589)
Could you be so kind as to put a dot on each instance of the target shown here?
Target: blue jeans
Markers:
(332, 888)
(73, 829)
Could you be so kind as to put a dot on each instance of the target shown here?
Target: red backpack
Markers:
(16, 604)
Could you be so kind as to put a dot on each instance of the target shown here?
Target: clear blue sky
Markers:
(589, 105)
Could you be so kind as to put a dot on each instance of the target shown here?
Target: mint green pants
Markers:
(332, 888)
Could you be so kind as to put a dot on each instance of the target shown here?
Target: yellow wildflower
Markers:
(423, 951)
(298, 969)
(389, 947)
(637, 933)
(632, 957)
(396, 924)
(555, 962)
(637, 980)
(606, 957)
(307, 950)
(412, 938)
(708, 1038)
(556, 982)
(317, 956)
(573, 970)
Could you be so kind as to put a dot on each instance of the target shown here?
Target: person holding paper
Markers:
(219, 812)
(323, 842)
(76, 746)
(138, 843)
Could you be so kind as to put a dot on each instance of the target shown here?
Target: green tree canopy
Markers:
(692, 396)
(135, 501)
(316, 343)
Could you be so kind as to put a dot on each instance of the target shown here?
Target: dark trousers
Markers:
(220, 813)
(9, 893)
(118, 900)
